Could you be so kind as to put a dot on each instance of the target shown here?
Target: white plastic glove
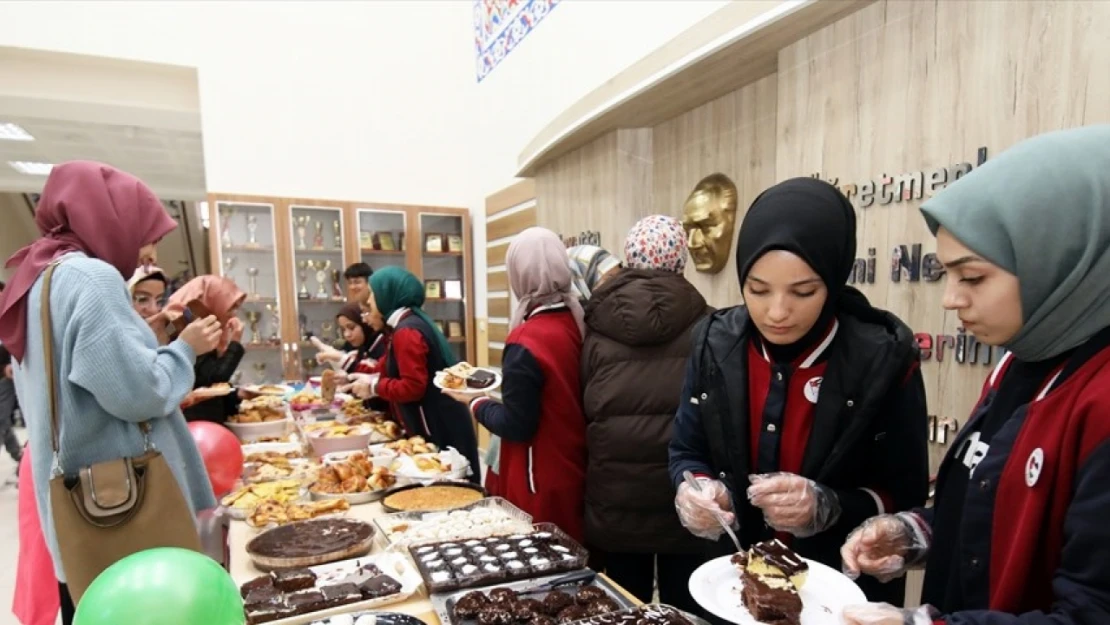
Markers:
(794, 504)
(886, 614)
(885, 546)
(361, 385)
(698, 511)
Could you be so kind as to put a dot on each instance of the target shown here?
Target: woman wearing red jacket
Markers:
(1018, 533)
(540, 420)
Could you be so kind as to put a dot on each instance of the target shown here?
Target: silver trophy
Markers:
(229, 264)
(318, 239)
(252, 230)
(322, 267)
(252, 281)
(260, 372)
(225, 225)
(336, 290)
(253, 317)
(302, 273)
(302, 231)
(275, 322)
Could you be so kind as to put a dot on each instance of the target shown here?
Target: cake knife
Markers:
(696, 485)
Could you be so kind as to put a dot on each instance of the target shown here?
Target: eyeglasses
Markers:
(142, 299)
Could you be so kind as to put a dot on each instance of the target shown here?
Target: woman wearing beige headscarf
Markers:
(539, 419)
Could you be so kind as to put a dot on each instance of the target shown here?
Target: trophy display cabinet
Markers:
(289, 256)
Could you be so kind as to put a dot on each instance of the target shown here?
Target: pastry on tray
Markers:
(772, 575)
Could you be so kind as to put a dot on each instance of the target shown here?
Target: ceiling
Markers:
(170, 161)
(140, 117)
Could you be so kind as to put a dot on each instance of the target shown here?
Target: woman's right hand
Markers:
(203, 335)
(699, 511)
(884, 547)
(325, 356)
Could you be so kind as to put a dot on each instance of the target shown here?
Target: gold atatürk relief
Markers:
(709, 218)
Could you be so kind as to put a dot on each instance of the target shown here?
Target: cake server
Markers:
(696, 485)
(577, 578)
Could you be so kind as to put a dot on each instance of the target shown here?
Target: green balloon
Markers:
(164, 586)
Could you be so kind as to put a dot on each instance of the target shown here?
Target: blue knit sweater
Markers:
(111, 375)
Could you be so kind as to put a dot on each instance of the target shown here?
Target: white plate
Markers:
(716, 587)
(257, 389)
(250, 432)
(440, 375)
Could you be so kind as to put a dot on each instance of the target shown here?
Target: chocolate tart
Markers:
(385, 501)
(311, 543)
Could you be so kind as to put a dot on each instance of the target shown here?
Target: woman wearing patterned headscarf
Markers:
(590, 266)
(639, 323)
(539, 417)
(1017, 532)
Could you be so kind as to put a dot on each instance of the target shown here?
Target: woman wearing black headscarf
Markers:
(803, 412)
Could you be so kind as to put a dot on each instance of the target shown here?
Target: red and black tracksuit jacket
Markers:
(540, 420)
(849, 414)
(1032, 542)
(416, 403)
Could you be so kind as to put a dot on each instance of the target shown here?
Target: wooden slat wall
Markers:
(508, 212)
(895, 87)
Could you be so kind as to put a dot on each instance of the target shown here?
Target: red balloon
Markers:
(222, 454)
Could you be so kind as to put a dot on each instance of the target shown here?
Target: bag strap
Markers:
(51, 382)
(48, 352)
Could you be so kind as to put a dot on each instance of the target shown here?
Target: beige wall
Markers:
(17, 227)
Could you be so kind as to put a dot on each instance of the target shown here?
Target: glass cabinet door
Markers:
(317, 236)
(381, 237)
(247, 254)
(444, 268)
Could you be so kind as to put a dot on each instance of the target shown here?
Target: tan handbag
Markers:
(111, 509)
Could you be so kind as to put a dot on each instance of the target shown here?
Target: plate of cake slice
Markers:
(771, 585)
(466, 378)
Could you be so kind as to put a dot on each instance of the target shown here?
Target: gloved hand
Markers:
(886, 614)
(885, 546)
(698, 511)
(794, 504)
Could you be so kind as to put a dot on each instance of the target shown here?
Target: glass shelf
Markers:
(444, 269)
(247, 254)
(318, 264)
(381, 237)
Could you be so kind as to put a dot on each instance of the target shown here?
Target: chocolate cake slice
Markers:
(771, 575)
(341, 594)
(294, 579)
(480, 379)
(380, 586)
(772, 557)
(771, 600)
(306, 601)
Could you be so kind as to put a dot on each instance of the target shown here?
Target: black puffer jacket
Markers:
(633, 361)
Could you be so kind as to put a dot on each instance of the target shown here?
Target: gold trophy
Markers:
(253, 317)
(302, 231)
(318, 239)
(338, 232)
(302, 273)
(275, 322)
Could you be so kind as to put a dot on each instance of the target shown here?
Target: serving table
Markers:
(419, 605)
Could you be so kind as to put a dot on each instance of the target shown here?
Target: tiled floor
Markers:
(9, 534)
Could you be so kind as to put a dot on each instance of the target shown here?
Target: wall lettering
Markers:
(904, 187)
(964, 348)
(586, 237)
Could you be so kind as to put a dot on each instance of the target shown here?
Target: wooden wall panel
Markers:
(498, 332)
(734, 135)
(495, 356)
(510, 224)
(499, 307)
(495, 254)
(910, 86)
(604, 186)
(513, 195)
(497, 281)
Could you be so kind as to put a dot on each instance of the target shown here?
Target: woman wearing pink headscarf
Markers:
(96, 224)
(221, 297)
(539, 417)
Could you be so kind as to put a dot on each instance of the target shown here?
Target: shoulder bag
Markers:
(112, 509)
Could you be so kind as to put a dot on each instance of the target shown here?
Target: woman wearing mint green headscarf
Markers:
(1018, 533)
(416, 350)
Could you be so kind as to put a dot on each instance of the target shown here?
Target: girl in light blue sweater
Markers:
(97, 223)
